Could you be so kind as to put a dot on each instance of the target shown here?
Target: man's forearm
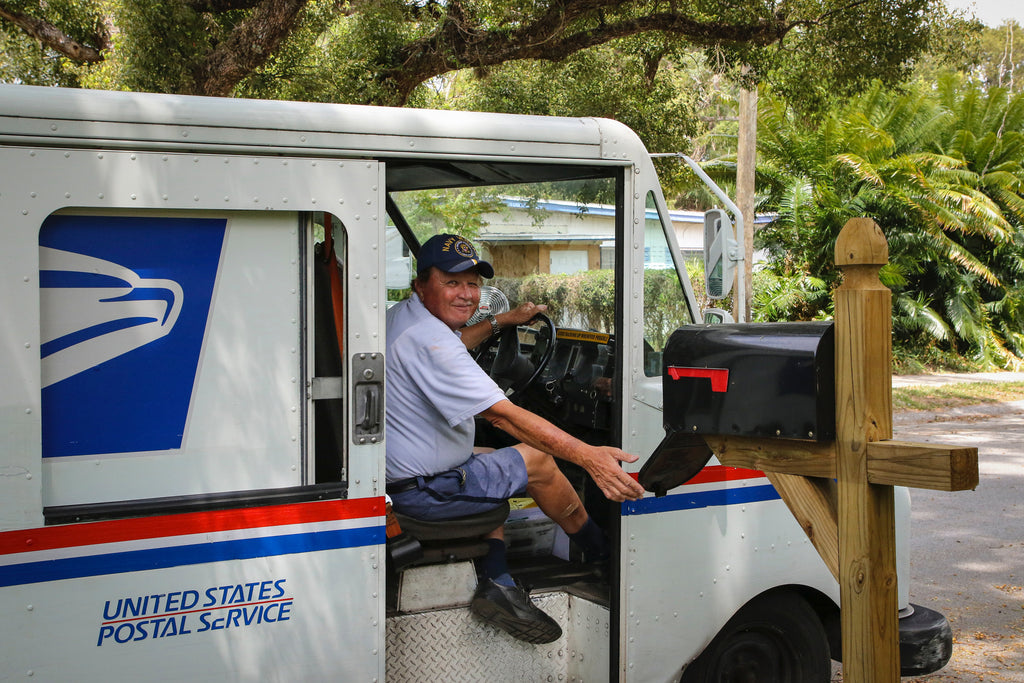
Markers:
(535, 431)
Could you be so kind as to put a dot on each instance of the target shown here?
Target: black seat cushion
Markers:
(469, 526)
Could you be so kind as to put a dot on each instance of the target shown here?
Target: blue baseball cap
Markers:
(451, 254)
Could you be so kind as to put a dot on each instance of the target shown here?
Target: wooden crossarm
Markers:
(922, 466)
(786, 456)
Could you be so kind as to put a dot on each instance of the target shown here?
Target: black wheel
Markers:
(775, 638)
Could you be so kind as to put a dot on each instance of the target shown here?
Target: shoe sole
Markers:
(536, 632)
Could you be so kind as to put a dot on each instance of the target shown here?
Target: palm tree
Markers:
(940, 171)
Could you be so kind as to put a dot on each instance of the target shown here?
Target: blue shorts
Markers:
(481, 483)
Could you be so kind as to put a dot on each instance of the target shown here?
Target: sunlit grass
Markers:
(947, 396)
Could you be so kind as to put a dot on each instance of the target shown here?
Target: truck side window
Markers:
(665, 306)
(329, 353)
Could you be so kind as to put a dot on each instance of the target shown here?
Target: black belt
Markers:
(403, 485)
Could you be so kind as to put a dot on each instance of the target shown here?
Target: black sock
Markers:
(493, 564)
(591, 539)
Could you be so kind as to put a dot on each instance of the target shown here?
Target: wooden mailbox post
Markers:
(841, 493)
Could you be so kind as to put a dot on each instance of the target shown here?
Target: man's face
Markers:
(451, 297)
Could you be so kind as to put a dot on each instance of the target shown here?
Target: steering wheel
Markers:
(512, 370)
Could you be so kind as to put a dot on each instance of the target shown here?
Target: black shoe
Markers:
(510, 609)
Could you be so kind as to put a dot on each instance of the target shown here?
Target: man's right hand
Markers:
(615, 483)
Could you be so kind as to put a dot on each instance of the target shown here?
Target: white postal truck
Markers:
(192, 449)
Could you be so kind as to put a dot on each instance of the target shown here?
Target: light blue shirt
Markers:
(434, 390)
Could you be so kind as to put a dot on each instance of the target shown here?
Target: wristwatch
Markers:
(495, 327)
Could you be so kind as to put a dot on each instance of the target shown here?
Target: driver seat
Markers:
(453, 540)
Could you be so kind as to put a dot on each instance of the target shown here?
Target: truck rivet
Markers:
(368, 373)
(67, 195)
(67, 155)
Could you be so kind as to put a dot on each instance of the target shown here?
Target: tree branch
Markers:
(249, 46)
(456, 45)
(53, 38)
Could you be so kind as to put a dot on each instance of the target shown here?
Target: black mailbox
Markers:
(755, 379)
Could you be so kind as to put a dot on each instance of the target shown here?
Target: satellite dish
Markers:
(492, 302)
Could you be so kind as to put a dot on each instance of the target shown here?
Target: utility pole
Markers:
(746, 159)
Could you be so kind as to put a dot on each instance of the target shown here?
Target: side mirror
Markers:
(717, 316)
(720, 250)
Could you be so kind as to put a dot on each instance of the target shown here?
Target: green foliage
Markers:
(24, 59)
(462, 211)
(630, 59)
(793, 297)
(664, 308)
(940, 170)
(585, 299)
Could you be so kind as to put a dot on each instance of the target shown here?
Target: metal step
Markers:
(451, 645)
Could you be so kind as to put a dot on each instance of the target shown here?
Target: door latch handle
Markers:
(368, 397)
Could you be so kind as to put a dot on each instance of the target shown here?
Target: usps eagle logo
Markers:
(98, 310)
(123, 309)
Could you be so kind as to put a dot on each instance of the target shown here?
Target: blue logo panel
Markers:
(123, 308)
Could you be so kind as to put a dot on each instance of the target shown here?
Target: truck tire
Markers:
(774, 638)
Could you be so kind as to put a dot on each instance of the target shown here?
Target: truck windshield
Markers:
(550, 242)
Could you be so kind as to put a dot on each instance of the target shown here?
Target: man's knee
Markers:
(539, 465)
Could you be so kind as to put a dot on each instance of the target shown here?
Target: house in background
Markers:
(573, 237)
